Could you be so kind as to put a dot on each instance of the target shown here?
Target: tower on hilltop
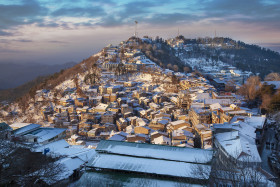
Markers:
(136, 33)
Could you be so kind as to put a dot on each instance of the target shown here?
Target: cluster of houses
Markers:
(146, 108)
(149, 108)
(222, 75)
(126, 56)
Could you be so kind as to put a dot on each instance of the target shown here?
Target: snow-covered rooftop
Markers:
(156, 151)
(146, 165)
(18, 125)
(45, 134)
(235, 143)
(26, 129)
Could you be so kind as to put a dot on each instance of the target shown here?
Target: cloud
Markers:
(93, 11)
(23, 40)
(4, 33)
(248, 12)
(21, 14)
(58, 42)
(149, 12)
(7, 41)
(48, 24)
(110, 21)
(136, 8)
(115, 13)
(171, 19)
(4, 50)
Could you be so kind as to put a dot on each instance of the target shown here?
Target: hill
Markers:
(169, 54)
(246, 57)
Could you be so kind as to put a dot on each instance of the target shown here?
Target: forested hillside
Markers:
(243, 56)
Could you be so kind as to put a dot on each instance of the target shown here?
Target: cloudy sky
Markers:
(59, 31)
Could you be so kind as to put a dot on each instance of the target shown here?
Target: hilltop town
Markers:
(124, 103)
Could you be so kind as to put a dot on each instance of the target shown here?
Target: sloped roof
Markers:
(178, 122)
(191, 155)
(26, 129)
(117, 137)
(202, 96)
(234, 143)
(220, 101)
(146, 165)
(15, 126)
(162, 139)
(256, 121)
(44, 134)
(215, 106)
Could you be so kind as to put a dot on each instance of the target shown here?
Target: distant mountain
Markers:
(15, 74)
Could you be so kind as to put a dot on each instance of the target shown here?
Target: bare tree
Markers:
(186, 69)
(169, 66)
(250, 89)
(266, 100)
(93, 75)
(272, 77)
(230, 86)
(78, 88)
(175, 68)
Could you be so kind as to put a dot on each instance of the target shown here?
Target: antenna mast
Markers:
(135, 33)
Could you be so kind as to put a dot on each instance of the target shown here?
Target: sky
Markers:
(59, 31)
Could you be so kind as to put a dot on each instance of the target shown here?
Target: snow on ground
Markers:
(66, 84)
(72, 157)
(206, 65)
(147, 165)
(141, 77)
(53, 147)
(117, 179)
